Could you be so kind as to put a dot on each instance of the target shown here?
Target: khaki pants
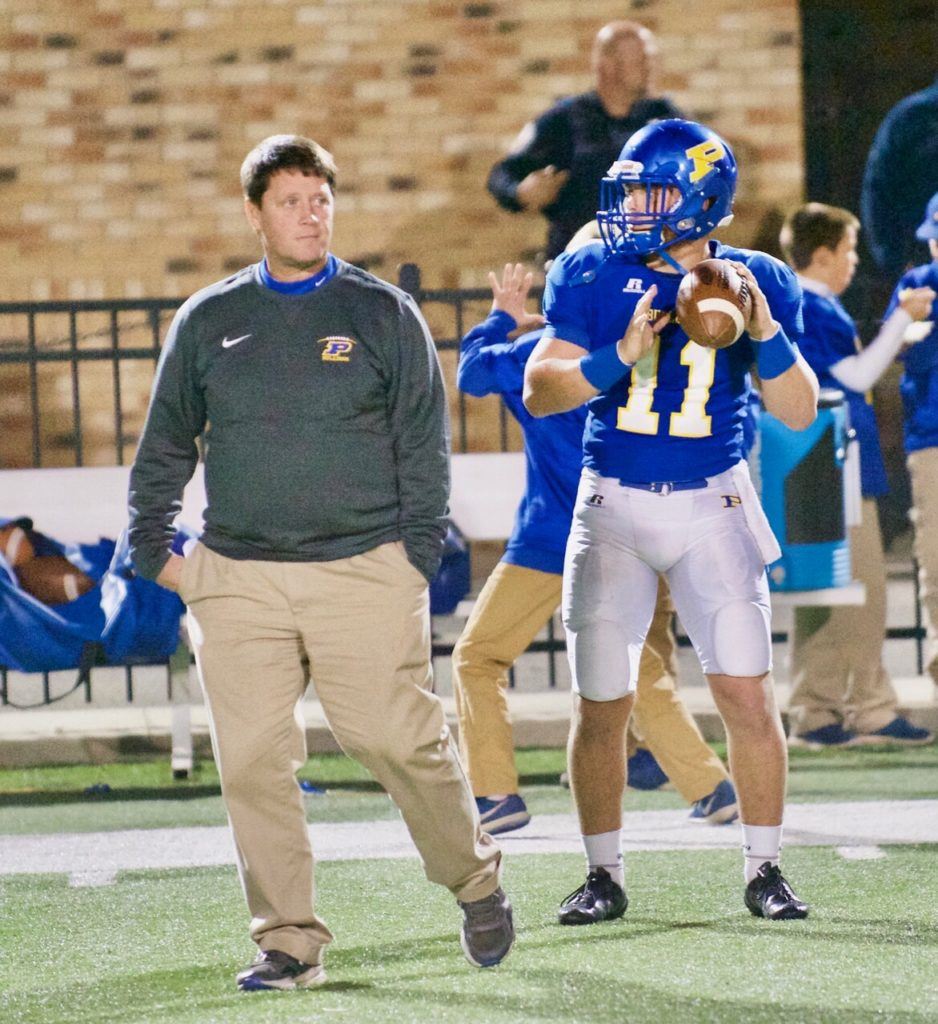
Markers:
(923, 470)
(360, 628)
(837, 653)
(513, 606)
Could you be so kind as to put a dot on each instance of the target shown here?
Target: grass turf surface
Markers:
(161, 946)
(144, 795)
(164, 946)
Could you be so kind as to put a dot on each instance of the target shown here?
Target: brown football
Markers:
(15, 545)
(713, 304)
(53, 579)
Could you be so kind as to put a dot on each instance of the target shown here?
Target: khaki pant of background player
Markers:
(837, 653)
(360, 627)
(923, 470)
(512, 608)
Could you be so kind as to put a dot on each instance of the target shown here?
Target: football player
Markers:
(919, 389)
(665, 488)
(523, 592)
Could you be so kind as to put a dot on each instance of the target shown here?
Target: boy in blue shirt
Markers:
(919, 388)
(665, 488)
(523, 592)
(841, 693)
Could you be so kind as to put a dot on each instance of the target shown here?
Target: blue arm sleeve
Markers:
(488, 362)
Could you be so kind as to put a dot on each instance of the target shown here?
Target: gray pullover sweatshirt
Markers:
(323, 418)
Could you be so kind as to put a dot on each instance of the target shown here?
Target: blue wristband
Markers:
(774, 355)
(602, 367)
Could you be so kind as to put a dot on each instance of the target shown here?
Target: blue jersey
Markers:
(829, 336)
(553, 446)
(919, 384)
(679, 414)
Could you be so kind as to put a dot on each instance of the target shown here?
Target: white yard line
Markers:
(90, 858)
(861, 852)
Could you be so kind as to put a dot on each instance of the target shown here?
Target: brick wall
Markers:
(124, 123)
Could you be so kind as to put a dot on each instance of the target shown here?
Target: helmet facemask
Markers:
(687, 179)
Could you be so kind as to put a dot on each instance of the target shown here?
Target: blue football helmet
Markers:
(685, 177)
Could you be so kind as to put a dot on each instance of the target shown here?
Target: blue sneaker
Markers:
(503, 815)
(644, 772)
(833, 735)
(899, 730)
(719, 808)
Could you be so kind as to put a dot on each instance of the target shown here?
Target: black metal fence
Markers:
(75, 378)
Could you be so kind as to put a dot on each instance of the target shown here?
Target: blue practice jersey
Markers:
(919, 384)
(829, 336)
(679, 414)
(553, 445)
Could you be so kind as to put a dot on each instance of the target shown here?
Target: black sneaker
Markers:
(488, 931)
(769, 895)
(599, 898)
(273, 969)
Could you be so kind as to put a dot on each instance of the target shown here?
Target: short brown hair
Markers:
(284, 153)
(812, 226)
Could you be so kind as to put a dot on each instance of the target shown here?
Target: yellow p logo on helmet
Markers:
(704, 155)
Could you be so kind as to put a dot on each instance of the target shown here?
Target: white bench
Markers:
(81, 504)
(485, 493)
(85, 503)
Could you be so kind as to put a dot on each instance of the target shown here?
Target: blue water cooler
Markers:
(803, 494)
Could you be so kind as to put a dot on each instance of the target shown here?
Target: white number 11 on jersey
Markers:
(692, 419)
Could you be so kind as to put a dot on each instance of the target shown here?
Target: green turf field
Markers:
(144, 795)
(164, 946)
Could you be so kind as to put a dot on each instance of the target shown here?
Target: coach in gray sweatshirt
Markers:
(317, 394)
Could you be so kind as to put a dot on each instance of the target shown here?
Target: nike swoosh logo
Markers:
(229, 342)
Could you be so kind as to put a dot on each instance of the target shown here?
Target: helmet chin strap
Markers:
(670, 260)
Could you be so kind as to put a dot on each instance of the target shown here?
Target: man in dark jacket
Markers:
(557, 161)
(901, 176)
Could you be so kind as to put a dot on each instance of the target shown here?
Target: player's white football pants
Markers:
(712, 543)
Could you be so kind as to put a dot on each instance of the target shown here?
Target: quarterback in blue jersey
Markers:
(523, 592)
(665, 488)
(919, 387)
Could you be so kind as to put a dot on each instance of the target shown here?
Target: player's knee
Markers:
(602, 672)
(742, 640)
(473, 659)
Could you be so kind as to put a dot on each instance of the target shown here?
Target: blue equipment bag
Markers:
(802, 476)
(453, 580)
(124, 618)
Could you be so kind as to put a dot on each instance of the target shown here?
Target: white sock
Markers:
(761, 843)
(604, 851)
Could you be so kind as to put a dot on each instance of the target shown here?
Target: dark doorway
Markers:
(859, 58)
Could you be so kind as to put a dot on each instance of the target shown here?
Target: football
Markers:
(713, 304)
(53, 579)
(15, 545)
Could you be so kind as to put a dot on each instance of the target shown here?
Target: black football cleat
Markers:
(769, 895)
(599, 898)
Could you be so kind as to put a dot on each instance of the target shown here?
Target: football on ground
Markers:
(53, 579)
(15, 545)
(713, 303)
